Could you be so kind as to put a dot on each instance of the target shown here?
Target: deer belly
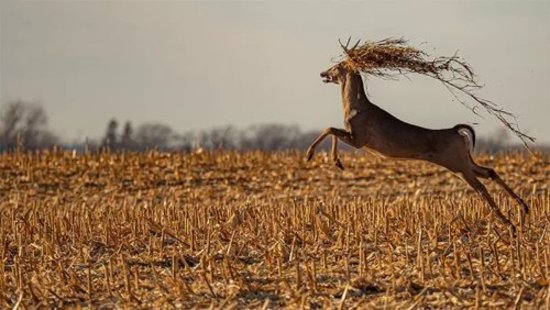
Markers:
(400, 147)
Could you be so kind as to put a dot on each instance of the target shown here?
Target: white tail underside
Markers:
(468, 135)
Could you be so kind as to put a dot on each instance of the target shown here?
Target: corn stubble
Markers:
(265, 230)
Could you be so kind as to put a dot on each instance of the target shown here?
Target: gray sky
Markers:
(200, 65)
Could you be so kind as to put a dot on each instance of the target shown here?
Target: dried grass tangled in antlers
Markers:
(390, 58)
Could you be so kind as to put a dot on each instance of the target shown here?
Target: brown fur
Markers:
(369, 126)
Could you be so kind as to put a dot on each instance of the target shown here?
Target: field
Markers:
(266, 230)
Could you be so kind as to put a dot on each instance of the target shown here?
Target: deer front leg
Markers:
(337, 134)
(334, 154)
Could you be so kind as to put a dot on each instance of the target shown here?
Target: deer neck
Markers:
(354, 99)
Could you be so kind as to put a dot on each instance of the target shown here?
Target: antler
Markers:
(347, 50)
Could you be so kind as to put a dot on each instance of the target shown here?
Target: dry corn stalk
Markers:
(390, 58)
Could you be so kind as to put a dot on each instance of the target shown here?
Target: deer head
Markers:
(337, 73)
(334, 74)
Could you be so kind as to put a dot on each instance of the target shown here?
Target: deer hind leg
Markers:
(482, 191)
(336, 134)
(491, 174)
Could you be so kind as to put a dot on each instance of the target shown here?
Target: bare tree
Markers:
(111, 137)
(127, 140)
(188, 141)
(496, 142)
(271, 137)
(155, 135)
(220, 138)
(25, 124)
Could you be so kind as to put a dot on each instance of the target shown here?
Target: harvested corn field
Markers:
(266, 230)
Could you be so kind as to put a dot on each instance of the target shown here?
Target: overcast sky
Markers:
(196, 65)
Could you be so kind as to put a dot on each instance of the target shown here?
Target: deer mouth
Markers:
(326, 78)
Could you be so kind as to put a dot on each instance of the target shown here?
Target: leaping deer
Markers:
(369, 126)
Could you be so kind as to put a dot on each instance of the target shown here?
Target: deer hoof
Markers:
(525, 206)
(338, 164)
(309, 155)
(513, 229)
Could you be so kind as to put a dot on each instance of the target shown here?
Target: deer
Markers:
(366, 125)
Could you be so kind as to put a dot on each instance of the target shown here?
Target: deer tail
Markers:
(468, 133)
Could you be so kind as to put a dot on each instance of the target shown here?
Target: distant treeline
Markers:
(24, 126)
(268, 137)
